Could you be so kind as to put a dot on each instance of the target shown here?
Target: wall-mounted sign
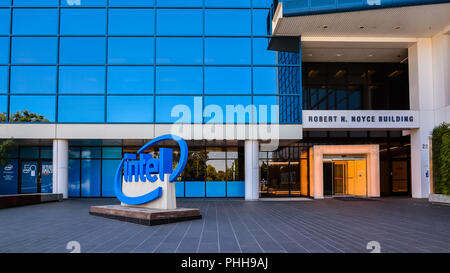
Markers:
(148, 181)
(350, 119)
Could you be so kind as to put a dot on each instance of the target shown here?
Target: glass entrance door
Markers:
(29, 176)
(339, 178)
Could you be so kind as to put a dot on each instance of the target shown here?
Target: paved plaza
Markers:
(330, 225)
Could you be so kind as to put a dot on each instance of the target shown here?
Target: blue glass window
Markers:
(180, 3)
(227, 51)
(188, 22)
(74, 152)
(3, 107)
(83, 3)
(265, 80)
(131, 3)
(195, 188)
(82, 79)
(262, 3)
(228, 3)
(33, 79)
(90, 177)
(267, 102)
(81, 109)
(131, 22)
(260, 21)
(91, 152)
(83, 21)
(130, 80)
(179, 51)
(227, 22)
(82, 50)
(41, 105)
(228, 80)
(184, 113)
(5, 3)
(35, 21)
(108, 171)
(4, 50)
(74, 178)
(29, 152)
(112, 152)
(179, 80)
(36, 3)
(130, 50)
(261, 55)
(130, 109)
(4, 73)
(34, 50)
(240, 109)
(4, 21)
(46, 152)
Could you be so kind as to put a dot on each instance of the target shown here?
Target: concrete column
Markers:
(61, 167)
(421, 94)
(251, 170)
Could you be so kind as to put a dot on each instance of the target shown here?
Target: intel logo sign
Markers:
(140, 178)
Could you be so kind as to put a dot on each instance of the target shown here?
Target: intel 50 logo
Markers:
(146, 169)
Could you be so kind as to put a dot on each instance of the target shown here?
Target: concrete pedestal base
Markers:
(145, 216)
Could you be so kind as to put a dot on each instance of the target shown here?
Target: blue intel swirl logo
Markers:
(147, 169)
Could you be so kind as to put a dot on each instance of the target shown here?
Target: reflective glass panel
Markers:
(238, 22)
(227, 51)
(81, 109)
(112, 152)
(35, 21)
(179, 80)
(130, 50)
(91, 152)
(130, 109)
(82, 79)
(4, 50)
(188, 22)
(83, 21)
(40, 105)
(260, 21)
(82, 50)
(36, 3)
(83, 3)
(130, 80)
(34, 50)
(5, 21)
(261, 55)
(228, 3)
(262, 3)
(131, 22)
(33, 79)
(131, 3)
(4, 73)
(180, 3)
(228, 80)
(266, 114)
(3, 107)
(108, 172)
(265, 80)
(234, 109)
(179, 51)
(183, 113)
(74, 177)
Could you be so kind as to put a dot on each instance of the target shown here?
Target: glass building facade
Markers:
(84, 61)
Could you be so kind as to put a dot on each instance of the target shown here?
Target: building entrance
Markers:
(344, 176)
(36, 176)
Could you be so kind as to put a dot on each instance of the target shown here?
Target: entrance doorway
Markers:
(36, 176)
(345, 176)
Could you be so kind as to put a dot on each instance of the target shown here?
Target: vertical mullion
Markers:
(8, 97)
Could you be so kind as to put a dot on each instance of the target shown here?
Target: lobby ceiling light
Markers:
(339, 55)
(312, 73)
(370, 55)
(395, 73)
